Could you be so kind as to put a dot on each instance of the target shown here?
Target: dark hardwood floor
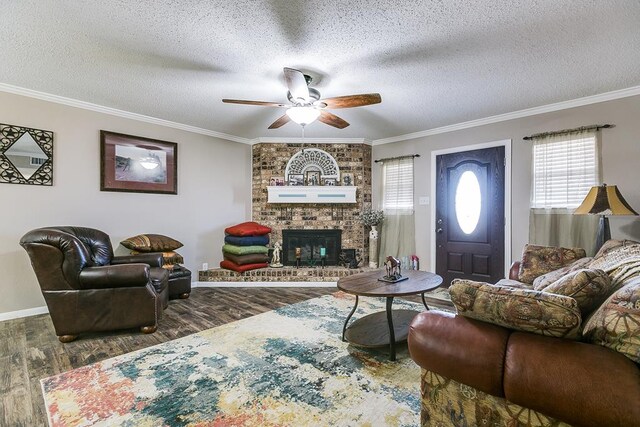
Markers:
(30, 350)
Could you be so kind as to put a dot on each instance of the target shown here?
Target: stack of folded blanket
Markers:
(246, 247)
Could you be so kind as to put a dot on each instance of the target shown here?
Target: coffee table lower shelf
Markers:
(373, 330)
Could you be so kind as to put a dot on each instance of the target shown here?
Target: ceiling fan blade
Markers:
(332, 120)
(350, 101)
(261, 103)
(283, 120)
(296, 83)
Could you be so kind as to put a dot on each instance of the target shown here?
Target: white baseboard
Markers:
(263, 284)
(24, 313)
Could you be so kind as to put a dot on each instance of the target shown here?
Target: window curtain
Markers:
(397, 236)
(565, 167)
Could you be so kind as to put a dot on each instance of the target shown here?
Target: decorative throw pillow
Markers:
(247, 240)
(612, 244)
(244, 250)
(241, 268)
(151, 243)
(538, 260)
(169, 259)
(588, 287)
(520, 309)
(616, 324)
(246, 259)
(248, 229)
(541, 282)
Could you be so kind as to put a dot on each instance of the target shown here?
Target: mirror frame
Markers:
(9, 174)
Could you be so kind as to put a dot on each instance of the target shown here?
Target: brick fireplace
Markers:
(270, 161)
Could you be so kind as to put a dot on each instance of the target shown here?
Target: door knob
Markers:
(439, 230)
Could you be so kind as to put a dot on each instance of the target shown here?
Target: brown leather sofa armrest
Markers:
(153, 259)
(578, 383)
(462, 349)
(514, 271)
(114, 276)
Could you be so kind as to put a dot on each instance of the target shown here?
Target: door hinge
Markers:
(504, 162)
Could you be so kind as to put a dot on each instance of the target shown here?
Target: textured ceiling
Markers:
(435, 63)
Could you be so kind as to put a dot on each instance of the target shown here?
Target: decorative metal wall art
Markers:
(313, 159)
(26, 155)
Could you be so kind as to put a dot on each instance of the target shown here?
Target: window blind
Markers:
(398, 185)
(564, 169)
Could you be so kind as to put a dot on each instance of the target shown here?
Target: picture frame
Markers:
(137, 164)
(26, 155)
(295, 179)
(347, 179)
(276, 181)
(312, 178)
(329, 181)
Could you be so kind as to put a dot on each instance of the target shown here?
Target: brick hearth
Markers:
(284, 274)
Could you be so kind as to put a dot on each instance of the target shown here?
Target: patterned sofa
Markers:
(556, 344)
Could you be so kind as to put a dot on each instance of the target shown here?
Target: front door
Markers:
(470, 215)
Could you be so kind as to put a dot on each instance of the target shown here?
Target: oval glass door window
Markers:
(468, 202)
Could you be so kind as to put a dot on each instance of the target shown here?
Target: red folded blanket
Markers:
(241, 268)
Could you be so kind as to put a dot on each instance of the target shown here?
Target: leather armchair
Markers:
(88, 289)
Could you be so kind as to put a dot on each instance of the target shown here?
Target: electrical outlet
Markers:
(205, 266)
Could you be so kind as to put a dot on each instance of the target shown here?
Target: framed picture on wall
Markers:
(137, 164)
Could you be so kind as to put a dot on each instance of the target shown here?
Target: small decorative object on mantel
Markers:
(275, 258)
(372, 218)
(394, 273)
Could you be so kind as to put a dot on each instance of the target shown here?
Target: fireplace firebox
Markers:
(310, 243)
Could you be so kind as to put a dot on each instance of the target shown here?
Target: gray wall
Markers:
(620, 161)
(214, 192)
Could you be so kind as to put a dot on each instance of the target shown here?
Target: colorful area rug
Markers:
(286, 367)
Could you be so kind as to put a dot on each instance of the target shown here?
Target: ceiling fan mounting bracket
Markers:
(314, 95)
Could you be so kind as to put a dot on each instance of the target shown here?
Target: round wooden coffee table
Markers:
(390, 326)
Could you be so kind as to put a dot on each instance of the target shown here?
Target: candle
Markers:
(323, 251)
(298, 252)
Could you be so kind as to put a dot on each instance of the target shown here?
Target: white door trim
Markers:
(507, 196)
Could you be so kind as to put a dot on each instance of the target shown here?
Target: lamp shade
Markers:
(303, 115)
(604, 200)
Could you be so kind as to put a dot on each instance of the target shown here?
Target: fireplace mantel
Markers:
(312, 194)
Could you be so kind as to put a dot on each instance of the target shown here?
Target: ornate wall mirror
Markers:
(26, 155)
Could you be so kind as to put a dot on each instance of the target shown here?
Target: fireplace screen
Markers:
(310, 244)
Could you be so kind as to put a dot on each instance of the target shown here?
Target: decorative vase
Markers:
(373, 247)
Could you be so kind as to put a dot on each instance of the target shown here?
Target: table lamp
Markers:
(604, 200)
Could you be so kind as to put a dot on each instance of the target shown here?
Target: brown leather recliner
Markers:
(88, 289)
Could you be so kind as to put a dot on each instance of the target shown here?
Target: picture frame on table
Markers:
(312, 178)
(329, 181)
(295, 179)
(137, 164)
(347, 179)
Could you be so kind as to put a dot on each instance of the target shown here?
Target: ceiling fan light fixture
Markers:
(303, 115)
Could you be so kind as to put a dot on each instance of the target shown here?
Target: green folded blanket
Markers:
(244, 250)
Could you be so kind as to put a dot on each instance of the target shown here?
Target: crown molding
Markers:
(115, 112)
(594, 99)
(276, 140)
(579, 102)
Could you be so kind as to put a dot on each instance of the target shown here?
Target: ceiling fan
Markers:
(306, 105)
